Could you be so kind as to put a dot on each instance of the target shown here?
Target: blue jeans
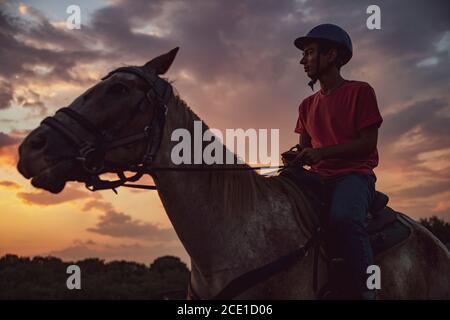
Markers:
(349, 198)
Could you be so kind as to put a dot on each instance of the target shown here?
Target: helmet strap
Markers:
(312, 83)
(319, 72)
(316, 76)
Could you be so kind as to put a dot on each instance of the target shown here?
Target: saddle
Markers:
(386, 227)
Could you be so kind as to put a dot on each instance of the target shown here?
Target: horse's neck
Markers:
(214, 238)
(202, 226)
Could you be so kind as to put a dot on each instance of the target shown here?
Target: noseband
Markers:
(93, 144)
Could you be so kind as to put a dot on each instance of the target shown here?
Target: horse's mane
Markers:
(238, 191)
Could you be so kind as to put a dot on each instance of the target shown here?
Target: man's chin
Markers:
(311, 75)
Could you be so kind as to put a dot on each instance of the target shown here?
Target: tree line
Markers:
(166, 278)
(45, 278)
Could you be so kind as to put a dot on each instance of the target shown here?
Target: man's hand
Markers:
(289, 156)
(308, 156)
(364, 145)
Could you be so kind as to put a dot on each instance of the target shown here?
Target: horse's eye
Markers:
(118, 88)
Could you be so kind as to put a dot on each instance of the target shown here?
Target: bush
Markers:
(45, 278)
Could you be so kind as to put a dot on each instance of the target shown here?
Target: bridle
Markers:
(93, 144)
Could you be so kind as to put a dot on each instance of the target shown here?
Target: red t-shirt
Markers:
(337, 118)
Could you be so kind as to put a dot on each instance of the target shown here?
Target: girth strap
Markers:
(255, 276)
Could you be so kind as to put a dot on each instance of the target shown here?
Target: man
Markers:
(338, 127)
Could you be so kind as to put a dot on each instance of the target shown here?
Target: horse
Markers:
(231, 222)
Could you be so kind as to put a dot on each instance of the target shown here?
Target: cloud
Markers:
(80, 249)
(120, 225)
(23, 55)
(398, 35)
(7, 140)
(8, 148)
(424, 113)
(9, 184)
(6, 94)
(8, 156)
(113, 24)
(44, 198)
(241, 50)
(97, 205)
(442, 206)
(36, 55)
(415, 139)
(32, 99)
(424, 190)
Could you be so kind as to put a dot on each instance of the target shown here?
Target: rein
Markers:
(92, 150)
(98, 184)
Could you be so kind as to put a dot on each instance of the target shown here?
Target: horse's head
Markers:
(117, 123)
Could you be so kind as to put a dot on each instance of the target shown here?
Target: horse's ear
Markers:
(162, 63)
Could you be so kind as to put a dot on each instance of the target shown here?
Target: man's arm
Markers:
(305, 140)
(364, 145)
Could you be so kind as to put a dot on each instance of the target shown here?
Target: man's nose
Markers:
(302, 60)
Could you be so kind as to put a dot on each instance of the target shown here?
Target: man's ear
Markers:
(334, 54)
(162, 63)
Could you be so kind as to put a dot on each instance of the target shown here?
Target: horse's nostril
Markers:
(38, 142)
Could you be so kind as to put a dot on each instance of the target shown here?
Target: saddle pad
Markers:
(390, 235)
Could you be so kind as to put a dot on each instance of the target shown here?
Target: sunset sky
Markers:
(237, 68)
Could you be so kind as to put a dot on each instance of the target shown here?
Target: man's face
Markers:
(309, 59)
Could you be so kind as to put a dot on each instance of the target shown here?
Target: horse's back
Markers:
(417, 269)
